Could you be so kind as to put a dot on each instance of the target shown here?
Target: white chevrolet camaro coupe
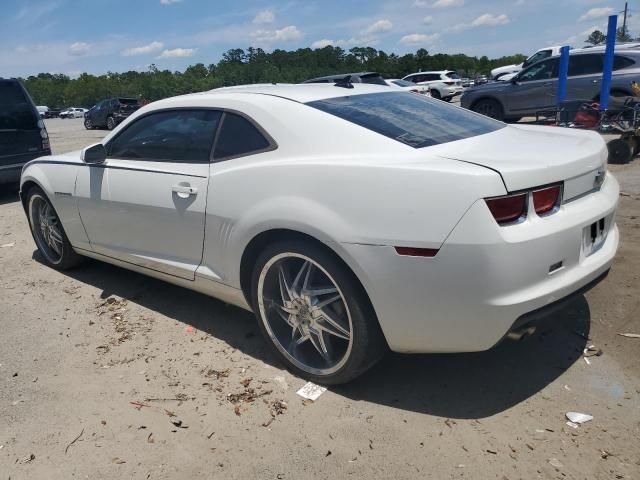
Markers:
(350, 218)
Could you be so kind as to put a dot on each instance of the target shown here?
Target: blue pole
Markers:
(562, 75)
(608, 62)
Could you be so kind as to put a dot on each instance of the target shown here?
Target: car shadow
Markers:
(9, 194)
(470, 386)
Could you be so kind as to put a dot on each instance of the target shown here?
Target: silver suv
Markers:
(534, 89)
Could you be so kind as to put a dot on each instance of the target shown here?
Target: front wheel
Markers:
(88, 124)
(47, 231)
(314, 313)
(490, 108)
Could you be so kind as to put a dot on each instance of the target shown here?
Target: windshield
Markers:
(403, 83)
(414, 120)
(16, 111)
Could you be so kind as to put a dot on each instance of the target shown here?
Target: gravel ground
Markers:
(109, 374)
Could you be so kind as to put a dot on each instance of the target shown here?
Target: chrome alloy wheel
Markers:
(46, 228)
(305, 313)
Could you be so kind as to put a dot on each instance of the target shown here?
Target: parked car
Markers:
(360, 77)
(407, 86)
(110, 112)
(73, 112)
(467, 82)
(541, 54)
(534, 89)
(42, 110)
(480, 79)
(23, 135)
(443, 85)
(507, 72)
(52, 113)
(349, 221)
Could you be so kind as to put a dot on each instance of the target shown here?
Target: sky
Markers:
(97, 36)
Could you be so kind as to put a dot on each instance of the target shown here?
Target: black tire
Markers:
(366, 345)
(435, 94)
(512, 119)
(111, 123)
(88, 124)
(489, 107)
(67, 257)
(447, 99)
(619, 151)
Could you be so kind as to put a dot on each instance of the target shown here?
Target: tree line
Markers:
(253, 65)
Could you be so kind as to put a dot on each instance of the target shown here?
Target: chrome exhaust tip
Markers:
(520, 333)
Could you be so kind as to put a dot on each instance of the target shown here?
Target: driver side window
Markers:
(181, 136)
(546, 70)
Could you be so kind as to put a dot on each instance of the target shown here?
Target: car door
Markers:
(146, 203)
(585, 73)
(533, 90)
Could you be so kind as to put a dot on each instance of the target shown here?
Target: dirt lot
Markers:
(109, 374)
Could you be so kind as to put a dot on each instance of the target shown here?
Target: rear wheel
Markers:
(314, 313)
(435, 94)
(620, 151)
(489, 107)
(47, 231)
(111, 123)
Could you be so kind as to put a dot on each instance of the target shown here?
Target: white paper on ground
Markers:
(311, 391)
(577, 417)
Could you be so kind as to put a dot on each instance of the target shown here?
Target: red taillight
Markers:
(416, 252)
(546, 199)
(508, 209)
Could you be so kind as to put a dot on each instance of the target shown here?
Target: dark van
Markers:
(23, 135)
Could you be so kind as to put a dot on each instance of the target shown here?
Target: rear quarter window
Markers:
(414, 120)
(239, 137)
(16, 109)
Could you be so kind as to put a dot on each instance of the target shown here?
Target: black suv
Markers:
(23, 135)
(110, 112)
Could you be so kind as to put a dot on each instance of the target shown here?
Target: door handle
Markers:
(184, 190)
(594, 81)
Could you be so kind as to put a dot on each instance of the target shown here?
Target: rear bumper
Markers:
(485, 277)
(11, 166)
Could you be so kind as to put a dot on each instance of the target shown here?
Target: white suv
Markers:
(444, 84)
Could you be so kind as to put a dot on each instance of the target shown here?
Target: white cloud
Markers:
(447, 3)
(265, 16)
(490, 20)
(419, 39)
(143, 50)
(325, 42)
(595, 13)
(485, 20)
(428, 20)
(178, 52)
(169, 2)
(79, 48)
(284, 34)
(379, 26)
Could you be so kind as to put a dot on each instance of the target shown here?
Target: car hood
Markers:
(529, 155)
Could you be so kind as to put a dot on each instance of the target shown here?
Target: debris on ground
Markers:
(592, 351)
(247, 396)
(578, 418)
(28, 459)
(216, 374)
(554, 462)
(74, 441)
(7, 245)
(311, 391)
(178, 423)
(630, 335)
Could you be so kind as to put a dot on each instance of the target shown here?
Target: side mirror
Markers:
(94, 154)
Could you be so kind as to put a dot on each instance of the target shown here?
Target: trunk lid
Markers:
(528, 156)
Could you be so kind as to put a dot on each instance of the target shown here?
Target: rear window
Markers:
(453, 75)
(372, 78)
(128, 101)
(411, 119)
(16, 109)
(620, 62)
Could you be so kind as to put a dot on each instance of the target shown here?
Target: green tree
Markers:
(596, 38)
